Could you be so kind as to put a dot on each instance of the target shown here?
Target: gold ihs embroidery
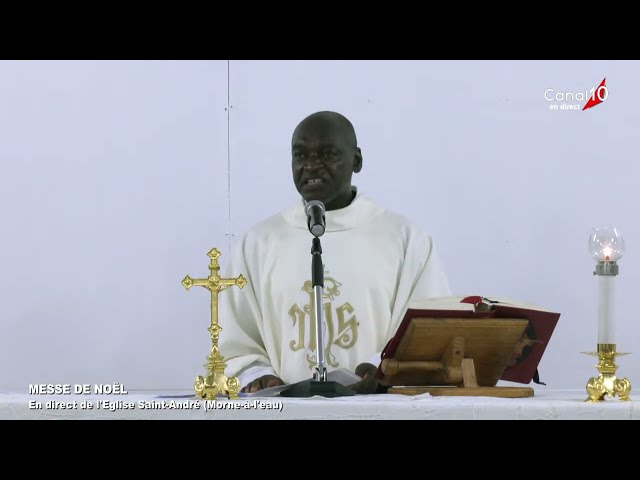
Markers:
(341, 332)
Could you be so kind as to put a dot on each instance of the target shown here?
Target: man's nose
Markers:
(313, 164)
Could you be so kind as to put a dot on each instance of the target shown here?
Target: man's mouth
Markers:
(314, 181)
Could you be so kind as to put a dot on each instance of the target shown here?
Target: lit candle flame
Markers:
(607, 253)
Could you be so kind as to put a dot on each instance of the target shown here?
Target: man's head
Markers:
(325, 154)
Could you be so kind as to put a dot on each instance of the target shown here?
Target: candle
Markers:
(606, 317)
(607, 247)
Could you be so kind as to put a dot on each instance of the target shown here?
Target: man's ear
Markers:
(357, 164)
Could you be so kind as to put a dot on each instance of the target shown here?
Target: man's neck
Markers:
(341, 202)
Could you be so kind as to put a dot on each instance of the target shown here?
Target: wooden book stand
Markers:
(454, 356)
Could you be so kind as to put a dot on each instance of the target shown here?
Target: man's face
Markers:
(323, 161)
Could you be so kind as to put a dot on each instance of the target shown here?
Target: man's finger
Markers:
(365, 370)
(255, 386)
(275, 382)
(361, 370)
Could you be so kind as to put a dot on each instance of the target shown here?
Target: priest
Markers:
(375, 263)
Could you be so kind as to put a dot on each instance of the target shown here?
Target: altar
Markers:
(180, 405)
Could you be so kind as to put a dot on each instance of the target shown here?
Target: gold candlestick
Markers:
(215, 382)
(606, 383)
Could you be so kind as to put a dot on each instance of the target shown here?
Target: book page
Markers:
(507, 302)
(441, 303)
(454, 303)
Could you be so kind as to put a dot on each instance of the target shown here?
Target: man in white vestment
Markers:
(375, 263)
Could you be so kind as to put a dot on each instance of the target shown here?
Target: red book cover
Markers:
(541, 326)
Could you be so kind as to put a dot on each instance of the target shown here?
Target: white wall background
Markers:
(113, 186)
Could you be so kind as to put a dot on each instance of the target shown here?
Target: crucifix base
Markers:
(216, 383)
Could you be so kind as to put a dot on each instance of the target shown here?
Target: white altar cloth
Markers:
(142, 405)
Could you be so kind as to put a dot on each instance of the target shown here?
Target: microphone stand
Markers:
(318, 385)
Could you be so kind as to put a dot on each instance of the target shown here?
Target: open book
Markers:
(536, 337)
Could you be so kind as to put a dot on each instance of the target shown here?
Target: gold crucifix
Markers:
(215, 382)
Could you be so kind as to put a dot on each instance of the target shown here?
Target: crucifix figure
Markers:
(215, 383)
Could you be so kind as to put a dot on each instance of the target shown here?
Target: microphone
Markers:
(315, 217)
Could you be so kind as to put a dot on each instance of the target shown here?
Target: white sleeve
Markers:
(432, 281)
(253, 371)
(423, 276)
(241, 342)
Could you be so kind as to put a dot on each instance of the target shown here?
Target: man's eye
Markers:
(298, 155)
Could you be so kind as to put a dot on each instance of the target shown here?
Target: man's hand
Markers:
(266, 381)
(368, 384)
